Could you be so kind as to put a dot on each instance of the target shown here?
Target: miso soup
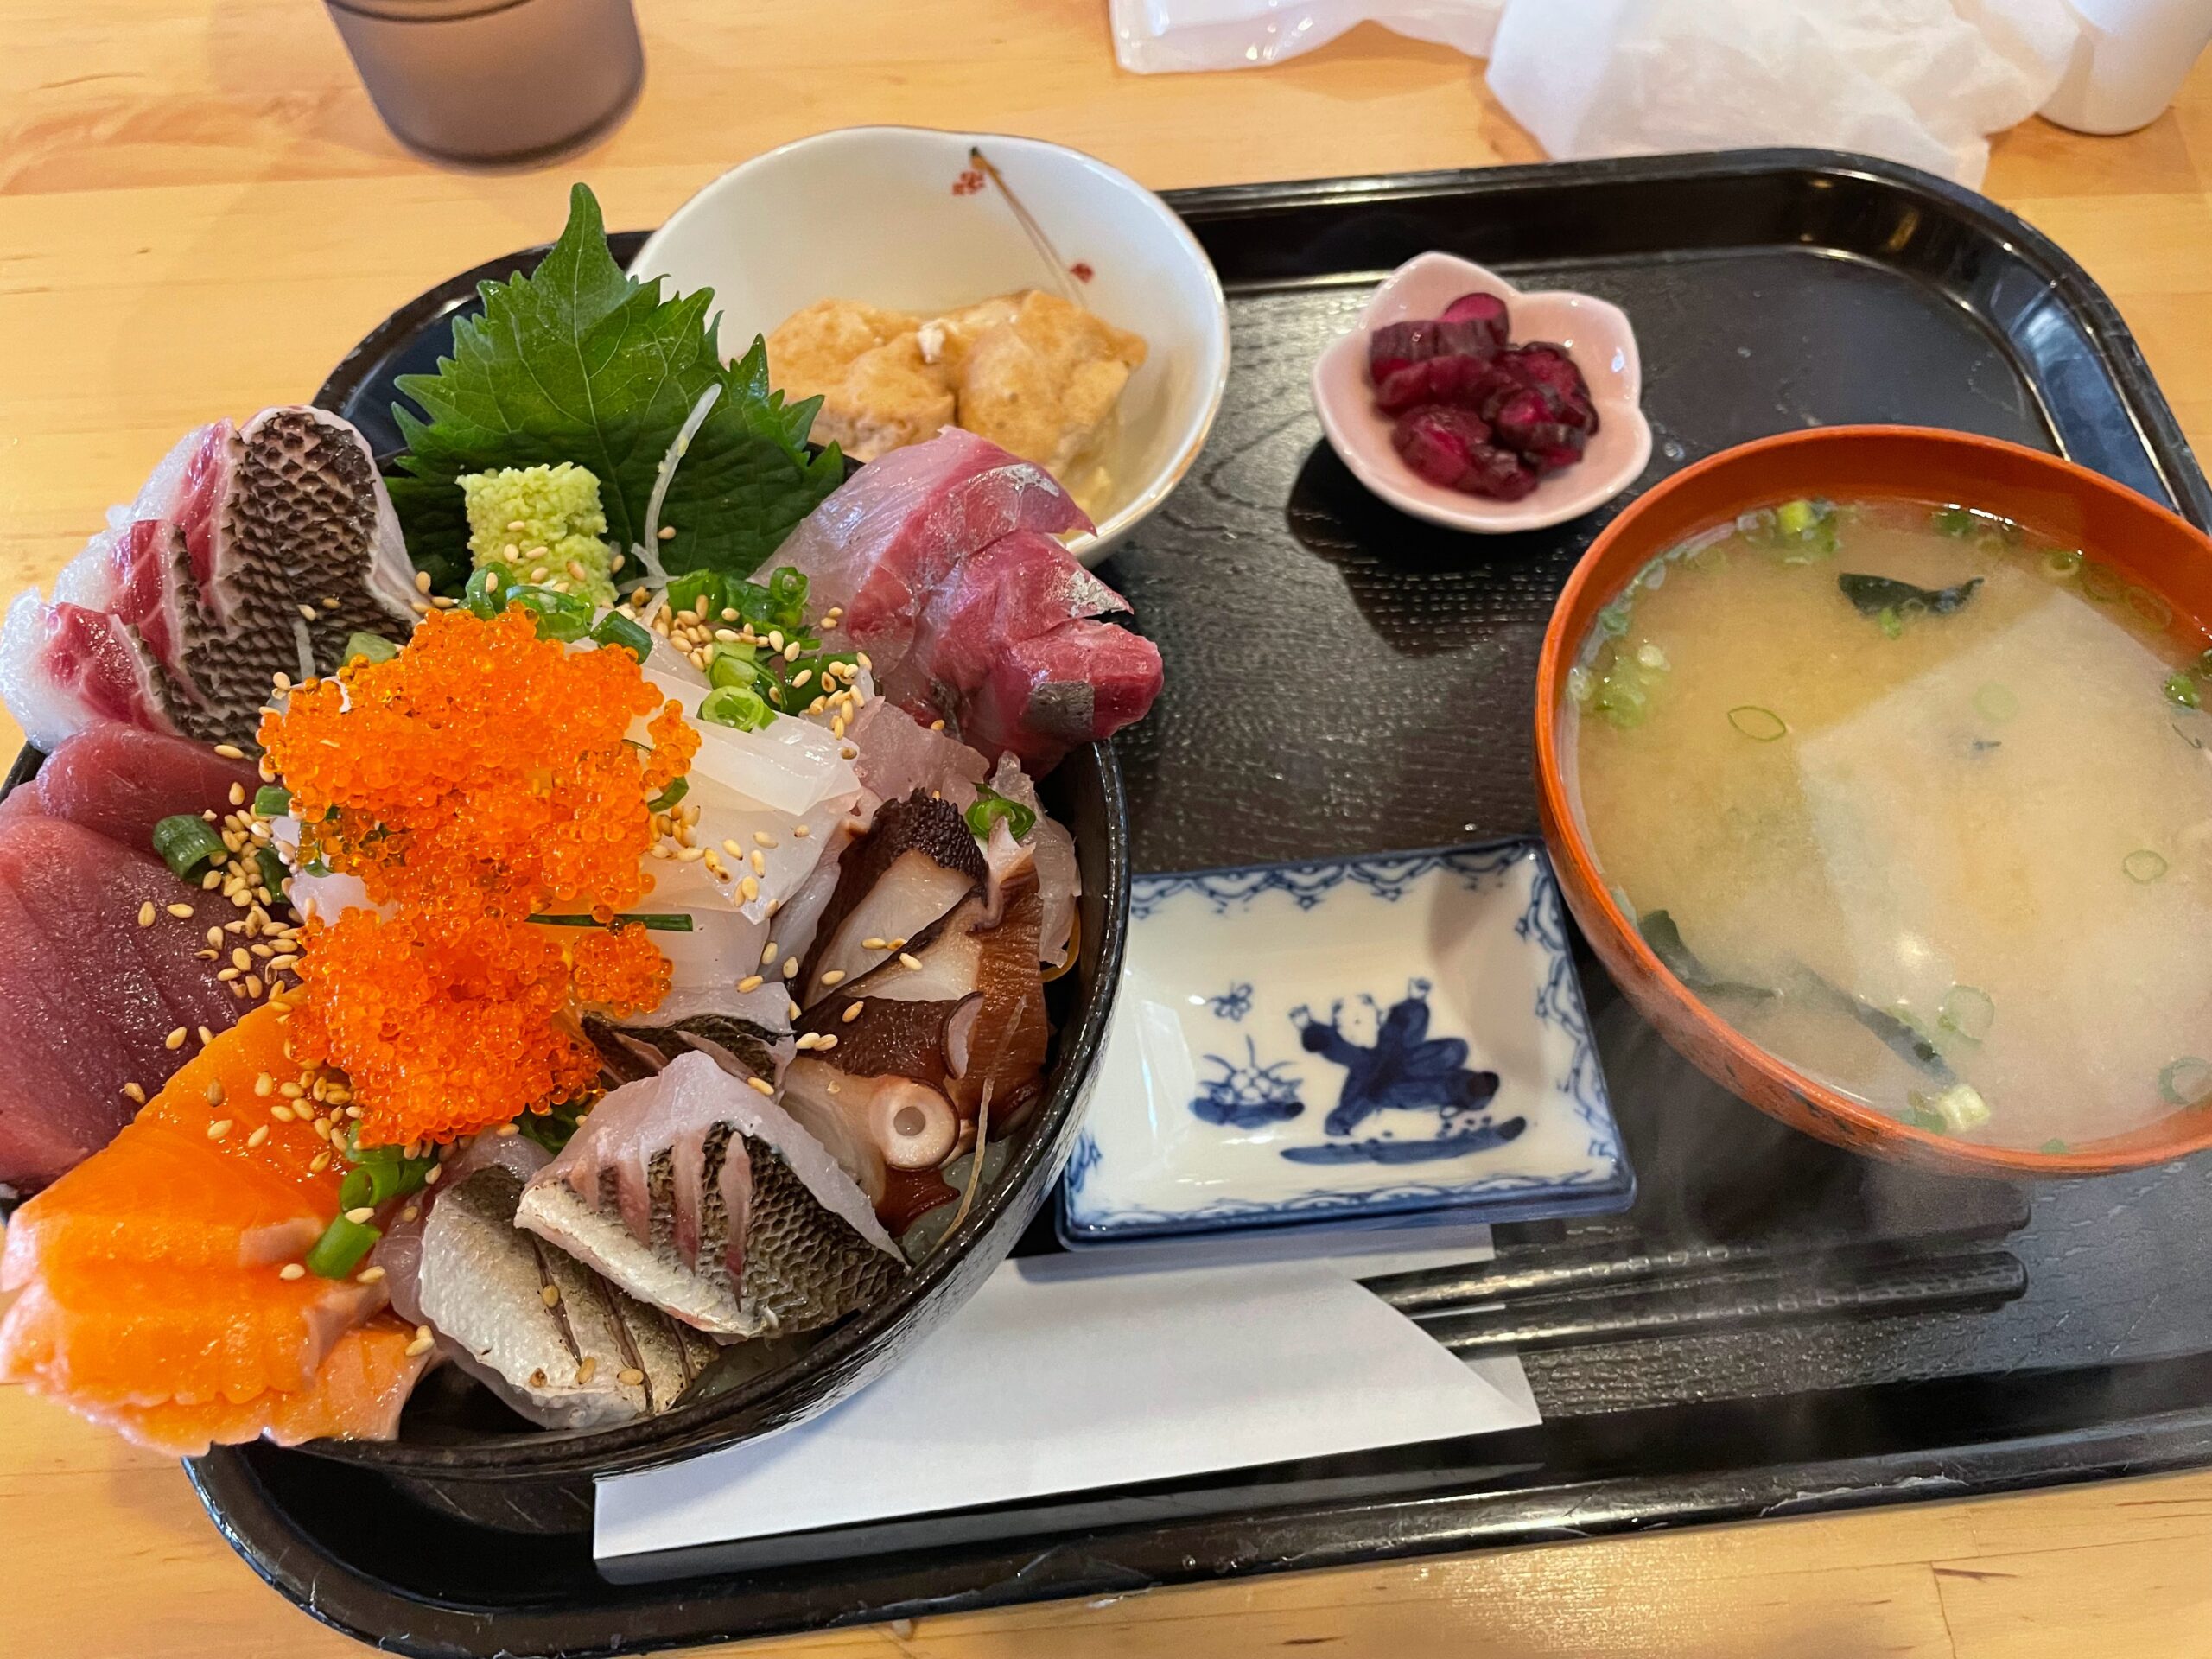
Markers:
(1922, 805)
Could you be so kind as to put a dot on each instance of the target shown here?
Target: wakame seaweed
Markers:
(1665, 939)
(1872, 595)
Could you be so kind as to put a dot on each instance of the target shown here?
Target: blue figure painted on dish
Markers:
(1401, 1068)
(1234, 1003)
(1249, 1095)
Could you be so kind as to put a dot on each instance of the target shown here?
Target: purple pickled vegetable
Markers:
(1484, 311)
(1497, 473)
(1439, 441)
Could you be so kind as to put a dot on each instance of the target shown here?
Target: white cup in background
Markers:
(2131, 59)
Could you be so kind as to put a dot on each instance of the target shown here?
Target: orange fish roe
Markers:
(480, 776)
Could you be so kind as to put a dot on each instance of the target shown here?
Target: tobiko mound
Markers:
(596, 976)
(1474, 414)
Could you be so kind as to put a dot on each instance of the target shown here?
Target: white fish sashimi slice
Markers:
(791, 766)
(63, 668)
(1059, 878)
(896, 756)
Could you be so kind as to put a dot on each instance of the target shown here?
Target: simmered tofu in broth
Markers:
(1922, 806)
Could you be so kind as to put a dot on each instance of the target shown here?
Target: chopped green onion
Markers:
(553, 1129)
(360, 1187)
(487, 593)
(1760, 725)
(2150, 606)
(1969, 1011)
(189, 845)
(669, 797)
(2186, 1082)
(1893, 624)
(787, 595)
(341, 1249)
(737, 666)
(730, 705)
(1961, 1107)
(2061, 561)
(2143, 866)
(271, 868)
(1796, 517)
(1995, 702)
(673, 921)
(2101, 583)
(2181, 691)
(272, 801)
(1921, 1112)
(684, 592)
(1612, 621)
(373, 648)
(615, 629)
(991, 806)
(1952, 521)
(1623, 700)
(558, 616)
(2054, 1148)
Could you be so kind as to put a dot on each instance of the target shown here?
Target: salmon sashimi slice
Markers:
(111, 1334)
(158, 1199)
(233, 1066)
(356, 1396)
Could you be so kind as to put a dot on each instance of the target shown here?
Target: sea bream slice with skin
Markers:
(290, 543)
(696, 1192)
(890, 537)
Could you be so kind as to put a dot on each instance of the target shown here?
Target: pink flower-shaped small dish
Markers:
(1595, 335)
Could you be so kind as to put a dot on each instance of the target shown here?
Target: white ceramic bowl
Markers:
(1596, 335)
(893, 216)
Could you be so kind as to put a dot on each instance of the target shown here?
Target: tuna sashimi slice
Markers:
(63, 667)
(892, 536)
(356, 1395)
(1084, 680)
(121, 781)
(1019, 587)
(62, 1071)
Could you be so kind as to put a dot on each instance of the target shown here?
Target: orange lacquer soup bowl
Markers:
(2053, 497)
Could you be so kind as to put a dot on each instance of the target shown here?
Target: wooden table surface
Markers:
(198, 213)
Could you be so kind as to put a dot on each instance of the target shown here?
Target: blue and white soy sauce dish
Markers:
(1341, 1040)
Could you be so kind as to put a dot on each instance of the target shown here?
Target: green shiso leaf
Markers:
(578, 362)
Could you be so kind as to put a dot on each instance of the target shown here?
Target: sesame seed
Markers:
(937, 725)
(585, 1367)
(791, 651)
(762, 1084)
(630, 1376)
(182, 912)
(832, 977)
(410, 1212)
(146, 914)
(808, 1039)
(361, 1215)
(218, 1128)
(422, 581)
(550, 1295)
(775, 638)
(794, 1011)
(505, 1129)
(801, 830)
(828, 1042)
(215, 935)
(666, 532)
(875, 944)
(369, 1276)
(134, 1092)
(899, 943)
(260, 1134)
(291, 1270)
(791, 966)
(750, 887)
(853, 1011)
(430, 1177)
(240, 960)
(768, 954)
(750, 982)
(281, 1112)
(908, 960)
(421, 1343)
(176, 1038)
(320, 1162)
(205, 1035)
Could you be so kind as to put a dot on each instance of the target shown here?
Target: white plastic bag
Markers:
(1918, 81)
(1162, 36)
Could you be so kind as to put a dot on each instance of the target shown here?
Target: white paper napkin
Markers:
(1073, 1372)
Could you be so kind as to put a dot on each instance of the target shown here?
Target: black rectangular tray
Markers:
(1776, 1327)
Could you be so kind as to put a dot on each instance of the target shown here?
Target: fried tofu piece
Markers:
(1038, 377)
(866, 364)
